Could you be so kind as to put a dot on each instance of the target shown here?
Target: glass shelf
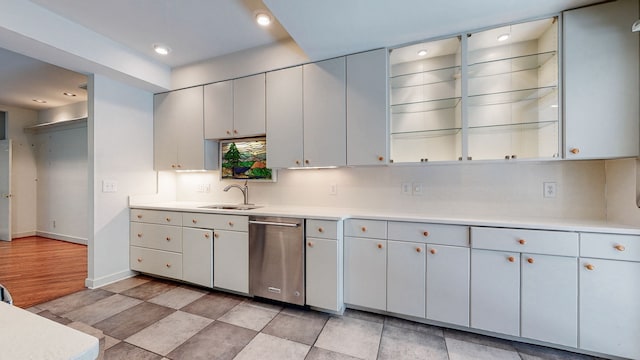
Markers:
(421, 134)
(509, 65)
(507, 97)
(426, 77)
(425, 106)
(534, 125)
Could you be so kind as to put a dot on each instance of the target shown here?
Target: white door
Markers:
(448, 284)
(406, 271)
(5, 190)
(322, 274)
(365, 272)
(231, 260)
(197, 256)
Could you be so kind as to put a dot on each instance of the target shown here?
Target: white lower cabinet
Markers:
(231, 260)
(448, 284)
(197, 256)
(322, 267)
(549, 299)
(495, 291)
(365, 278)
(609, 310)
(406, 271)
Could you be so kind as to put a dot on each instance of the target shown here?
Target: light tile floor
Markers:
(146, 318)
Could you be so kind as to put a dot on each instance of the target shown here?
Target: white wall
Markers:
(23, 172)
(120, 128)
(621, 192)
(487, 190)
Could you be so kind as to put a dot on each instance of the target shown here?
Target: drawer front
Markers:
(160, 237)
(156, 217)
(454, 235)
(323, 229)
(375, 229)
(216, 221)
(530, 241)
(156, 262)
(610, 246)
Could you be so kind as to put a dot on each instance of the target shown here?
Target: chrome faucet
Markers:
(244, 189)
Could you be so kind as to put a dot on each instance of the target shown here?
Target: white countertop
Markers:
(24, 335)
(328, 213)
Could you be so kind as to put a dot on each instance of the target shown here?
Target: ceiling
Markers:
(197, 30)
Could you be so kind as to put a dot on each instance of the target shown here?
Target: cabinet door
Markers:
(231, 260)
(218, 110)
(324, 106)
(550, 299)
(197, 256)
(406, 271)
(284, 118)
(189, 130)
(495, 291)
(365, 272)
(322, 274)
(448, 284)
(249, 106)
(367, 125)
(609, 311)
(165, 144)
(601, 81)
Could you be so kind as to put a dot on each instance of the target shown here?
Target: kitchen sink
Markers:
(230, 207)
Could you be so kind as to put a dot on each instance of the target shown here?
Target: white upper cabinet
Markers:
(601, 81)
(284, 118)
(324, 107)
(367, 129)
(178, 132)
(235, 108)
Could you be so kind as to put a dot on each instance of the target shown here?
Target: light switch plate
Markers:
(417, 189)
(109, 186)
(405, 188)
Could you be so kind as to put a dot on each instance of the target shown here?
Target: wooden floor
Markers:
(36, 269)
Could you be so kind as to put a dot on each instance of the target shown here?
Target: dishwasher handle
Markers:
(273, 223)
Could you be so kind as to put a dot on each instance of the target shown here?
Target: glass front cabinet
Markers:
(487, 95)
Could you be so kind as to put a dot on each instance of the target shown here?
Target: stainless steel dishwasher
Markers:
(276, 258)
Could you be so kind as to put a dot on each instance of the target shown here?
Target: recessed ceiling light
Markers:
(161, 49)
(263, 19)
(422, 52)
(503, 37)
(554, 106)
(40, 101)
(69, 94)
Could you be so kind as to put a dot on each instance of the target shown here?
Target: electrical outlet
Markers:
(53, 223)
(550, 189)
(109, 186)
(333, 189)
(203, 188)
(405, 188)
(416, 188)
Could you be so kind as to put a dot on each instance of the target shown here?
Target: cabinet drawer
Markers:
(216, 221)
(156, 217)
(156, 262)
(429, 233)
(323, 229)
(366, 228)
(610, 246)
(529, 241)
(161, 237)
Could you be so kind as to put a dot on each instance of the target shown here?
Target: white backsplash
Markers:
(621, 192)
(476, 189)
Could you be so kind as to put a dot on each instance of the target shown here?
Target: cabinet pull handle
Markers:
(530, 260)
(619, 247)
(310, 244)
(179, 166)
(206, 235)
(228, 132)
(139, 235)
(574, 151)
(168, 265)
(425, 233)
(168, 238)
(363, 229)
(173, 166)
(511, 259)
(195, 221)
(379, 246)
(139, 216)
(306, 162)
(380, 158)
(589, 267)
(297, 162)
(522, 241)
(433, 251)
(168, 219)
(215, 235)
(139, 259)
(320, 230)
(235, 131)
(230, 223)
(418, 249)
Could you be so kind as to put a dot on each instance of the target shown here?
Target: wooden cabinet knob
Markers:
(235, 131)
(139, 216)
(230, 223)
(139, 259)
(228, 132)
(511, 259)
(168, 265)
(619, 247)
(522, 241)
(168, 219)
(574, 151)
(173, 166)
(206, 235)
(380, 158)
(194, 221)
(589, 267)
(433, 251)
(418, 249)
(320, 230)
(139, 235)
(216, 235)
(297, 162)
(425, 233)
(530, 260)
(179, 166)
(310, 244)
(306, 162)
(363, 229)
(379, 246)
(168, 238)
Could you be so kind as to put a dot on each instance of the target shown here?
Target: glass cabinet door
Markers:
(512, 78)
(425, 96)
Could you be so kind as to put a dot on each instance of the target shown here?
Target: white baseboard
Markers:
(106, 280)
(23, 234)
(67, 238)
